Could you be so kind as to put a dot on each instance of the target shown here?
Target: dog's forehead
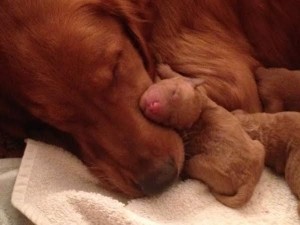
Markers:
(91, 41)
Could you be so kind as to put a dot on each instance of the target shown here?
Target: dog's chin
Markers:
(117, 184)
(130, 192)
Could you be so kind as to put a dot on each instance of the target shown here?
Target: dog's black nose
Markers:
(159, 180)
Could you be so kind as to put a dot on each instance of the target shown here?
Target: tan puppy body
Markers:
(224, 156)
(280, 134)
(279, 89)
(220, 152)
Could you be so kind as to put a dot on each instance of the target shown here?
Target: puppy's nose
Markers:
(159, 180)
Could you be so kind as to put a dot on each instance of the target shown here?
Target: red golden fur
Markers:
(79, 68)
(279, 89)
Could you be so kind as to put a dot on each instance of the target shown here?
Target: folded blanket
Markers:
(8, 173)
(54, 187)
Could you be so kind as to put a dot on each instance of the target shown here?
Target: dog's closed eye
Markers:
(115, 69)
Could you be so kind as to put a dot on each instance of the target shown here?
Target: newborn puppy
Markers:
(221, 153)
(279, 89)
(280, 134)
(174, 102)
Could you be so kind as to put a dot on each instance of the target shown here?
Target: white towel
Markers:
(8, 173)
(54, 187)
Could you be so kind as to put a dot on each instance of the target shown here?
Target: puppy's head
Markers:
(173, 101)
(81, 67)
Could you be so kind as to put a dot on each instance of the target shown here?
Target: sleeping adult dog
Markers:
(79, 67)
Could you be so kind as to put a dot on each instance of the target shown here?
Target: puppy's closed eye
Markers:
(175, 95)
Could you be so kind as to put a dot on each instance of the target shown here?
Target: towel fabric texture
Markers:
(53, 187)
(8, 173)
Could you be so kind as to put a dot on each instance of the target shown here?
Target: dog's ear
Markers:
(137, 18)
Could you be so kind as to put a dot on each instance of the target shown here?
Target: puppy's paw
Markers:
(166, 72)
(163, 68)
(233, 201)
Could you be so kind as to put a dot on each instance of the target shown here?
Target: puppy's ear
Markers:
(196, 82)
(137, 17)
